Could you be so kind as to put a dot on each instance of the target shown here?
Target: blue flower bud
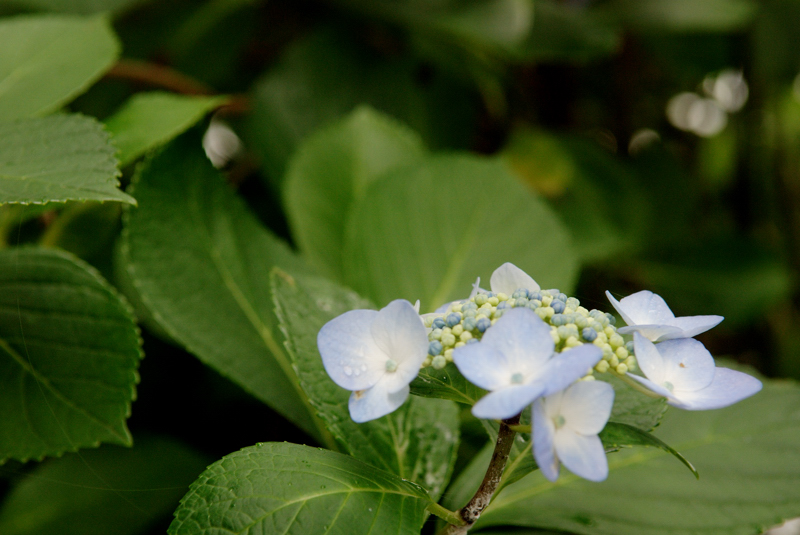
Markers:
(558, 320)
(573, 303)
(589, 334)
(520, 302)
(562, 297)
(612, 320)
(558, 306)
(502, 305)
(438, 323)
(470, 324)
(483, 324)
(629, 347)
(435, 348)
(469, 306)
(453, 319)
(521, 292)
(535, 295)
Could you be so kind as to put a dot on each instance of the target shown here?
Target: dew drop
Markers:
(348, 371)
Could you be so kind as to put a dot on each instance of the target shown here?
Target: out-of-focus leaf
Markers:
(48, 60)
(286, 488)
(426, 230)
(682, 15)
(56, 159)
(331, 169)
(69, 350)
(747, 455)
(326, 75)
(200, 262)
(110, 490)
(417, 442)
(77, 7)
(597, 198)
(148, 120)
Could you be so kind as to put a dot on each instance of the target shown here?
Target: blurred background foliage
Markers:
(664, 133)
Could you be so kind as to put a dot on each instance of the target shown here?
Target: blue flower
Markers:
(516, 362)
(375, 354)
(565, 428)
(648, 313)
(683, 371)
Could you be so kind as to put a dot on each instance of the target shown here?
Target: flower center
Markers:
(517, 378)
(669, 386)
(559, 421)
(391, 366)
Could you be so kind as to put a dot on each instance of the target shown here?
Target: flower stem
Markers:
(452, 517)
(470, 513)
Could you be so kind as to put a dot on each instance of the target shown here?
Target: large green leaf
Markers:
(148, 120)
(110, 490)
(48, 60)
(69, 350)
(682, 15)
(200, 263)
(285, 488)
(447, 383)
(56, 159)
(331, 169)
(417, 442)
(632, 407)
(750, 478)
(322, 77)
(615, 435)
(425, 232)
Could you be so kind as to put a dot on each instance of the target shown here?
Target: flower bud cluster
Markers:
(571, 325)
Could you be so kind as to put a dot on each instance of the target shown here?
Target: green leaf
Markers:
(632, 407)
(78, 7)
(48, 60)
(616, 435)
(286, 488)
(331, 169)
(417, 442)
(747, 454)
(324, 76)
(682, 15)
(200, 262)
(69, 350)
(447, 383)
(56, 159)
(426, 231)
(116, 490)
(149, 120)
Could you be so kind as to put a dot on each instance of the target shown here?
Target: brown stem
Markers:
(472, 511)
(156, 75)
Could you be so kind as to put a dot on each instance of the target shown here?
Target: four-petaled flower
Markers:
(565, 428)
(516, 362)
(647, 313)
(683, 371)
(376, 354)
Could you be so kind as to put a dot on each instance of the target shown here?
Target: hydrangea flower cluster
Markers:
(534, 348)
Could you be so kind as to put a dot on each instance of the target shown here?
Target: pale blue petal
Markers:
(586, 406)
(583, 455)
(569, 366)
(648, 358)
(645, 308)
(694, 325)
(657, 389)
(476, 288)
(483, 366)
(544, 451)
(508, 278)
(372, 403)
(654, 333)
(687, 364)
(618, 307)
(522, 340)
(727, 388)
(507, 402)
(398, 331)
(350, 355)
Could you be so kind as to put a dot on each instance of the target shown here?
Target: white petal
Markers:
(483, 366)
(586, 406)
(654, 333)
(643, 308)
(583, 455)
(508, 278)
(398, 331)
(687, 364)
(658, 389)
(349, 353)
(648, 358)
(727, 388)
(544, 451)
(476, 288)
(523, 340)
(568, 366)
(372, 403)
(694, 325)
(507, 402)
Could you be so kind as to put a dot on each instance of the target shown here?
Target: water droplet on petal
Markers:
(348, 371)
